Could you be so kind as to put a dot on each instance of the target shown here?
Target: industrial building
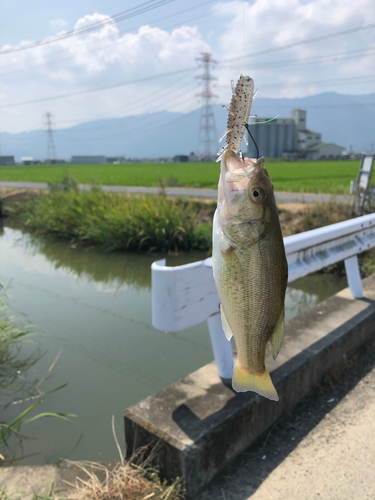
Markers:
(88, 159)
(7, 160)
(273, 138)
(29, 160)
(324, 150)
(115, 159)
(289, 137)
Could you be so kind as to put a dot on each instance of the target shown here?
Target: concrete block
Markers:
(199, 423)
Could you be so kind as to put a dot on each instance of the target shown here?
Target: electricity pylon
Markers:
(51, 153)
(207, 137)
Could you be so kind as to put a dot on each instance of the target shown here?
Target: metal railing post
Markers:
(221, 347)
(354, 277)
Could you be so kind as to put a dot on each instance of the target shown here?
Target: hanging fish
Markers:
(249, 262)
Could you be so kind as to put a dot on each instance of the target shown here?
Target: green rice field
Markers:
(307, 176)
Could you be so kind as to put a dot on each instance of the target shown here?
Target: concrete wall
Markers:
(200, 424)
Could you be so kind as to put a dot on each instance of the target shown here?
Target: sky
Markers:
(60, 57)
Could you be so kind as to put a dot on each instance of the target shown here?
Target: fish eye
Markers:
(257, 194)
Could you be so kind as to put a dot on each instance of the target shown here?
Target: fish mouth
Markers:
(238, 169)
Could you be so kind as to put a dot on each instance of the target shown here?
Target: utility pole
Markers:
(51, 153)
(207, 136)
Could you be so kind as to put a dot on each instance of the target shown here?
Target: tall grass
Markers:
(15, 388)
(115, 221)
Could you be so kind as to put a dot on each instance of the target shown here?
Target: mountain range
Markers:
(346, 120)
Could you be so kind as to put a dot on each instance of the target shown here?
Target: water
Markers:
(96, 309)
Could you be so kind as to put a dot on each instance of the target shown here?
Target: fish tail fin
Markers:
(260, 383)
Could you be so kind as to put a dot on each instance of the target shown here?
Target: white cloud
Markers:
(57, 24)
(98, 58)
(106, 57)
(275, 23)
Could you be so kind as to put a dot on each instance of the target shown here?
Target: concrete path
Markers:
(325, 450)
(188, 192)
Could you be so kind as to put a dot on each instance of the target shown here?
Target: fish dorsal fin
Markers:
(277, 335)
(227, 329)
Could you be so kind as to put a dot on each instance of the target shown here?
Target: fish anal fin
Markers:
(227, 329)
(277, 335)
(261, 383)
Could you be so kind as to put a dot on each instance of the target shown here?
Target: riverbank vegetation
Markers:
(19, 395)
(115, 221)
(332, 176)
(145, 223)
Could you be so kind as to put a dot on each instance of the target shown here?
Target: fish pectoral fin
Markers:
(277, 335)
(227, 329)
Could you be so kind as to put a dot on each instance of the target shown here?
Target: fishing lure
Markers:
(238, 114)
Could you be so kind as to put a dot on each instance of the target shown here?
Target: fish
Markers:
(250, 268)
(238, 114)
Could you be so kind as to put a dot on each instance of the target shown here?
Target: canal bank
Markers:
(326, 438)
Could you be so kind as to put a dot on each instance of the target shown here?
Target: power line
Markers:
(339, 56)
(347, 81)
(113, 44)
(302, 42)
(135, 11)
(341, 33)
(343, 81)
(97, 89)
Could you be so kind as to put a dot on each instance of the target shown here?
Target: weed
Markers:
(14, 386)
(114, 221)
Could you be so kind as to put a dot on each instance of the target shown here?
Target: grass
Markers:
(14, 385)
(307, 176)
(115, 221)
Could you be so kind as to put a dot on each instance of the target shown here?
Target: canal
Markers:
(95, 310)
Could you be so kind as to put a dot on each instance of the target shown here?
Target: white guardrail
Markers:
(185, 296)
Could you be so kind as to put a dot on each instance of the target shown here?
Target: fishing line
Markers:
(252, 138)
(244, 44)
(267, 121)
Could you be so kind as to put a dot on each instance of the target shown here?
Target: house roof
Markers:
(308, 131)
(321, 145)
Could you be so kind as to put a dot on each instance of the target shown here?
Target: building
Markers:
(273, 138)
(29, 160)
(53, 161)
(88, 159)
(305, 138)
(115, 159)
(289, 137)
(324, 150)
(180, 158)
(7, 160)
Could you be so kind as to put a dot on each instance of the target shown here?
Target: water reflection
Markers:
(97, 308)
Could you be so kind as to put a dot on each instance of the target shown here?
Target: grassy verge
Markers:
(152, 223)
(307, 176)
(115, 221)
